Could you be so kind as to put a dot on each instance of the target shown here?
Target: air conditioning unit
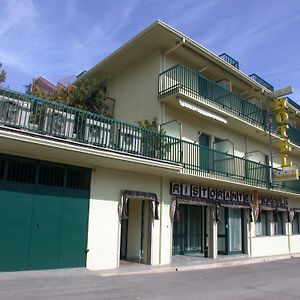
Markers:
(14, 112)
(130, 140)
(97, 132)
(59, 123)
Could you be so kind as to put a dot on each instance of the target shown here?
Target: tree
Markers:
(149, 124)
(87, 94)
(2, 74)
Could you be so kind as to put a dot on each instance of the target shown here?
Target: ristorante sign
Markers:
(196, 191)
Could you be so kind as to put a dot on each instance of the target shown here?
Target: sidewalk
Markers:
(188, 263)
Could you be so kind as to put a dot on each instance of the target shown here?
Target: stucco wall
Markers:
(270, 245)
(135, 90)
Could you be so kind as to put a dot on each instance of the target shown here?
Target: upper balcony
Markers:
(262, 82)
(181, 81)
(230, 60)
(28, 115)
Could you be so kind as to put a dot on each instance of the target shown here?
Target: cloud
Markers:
(15, 13)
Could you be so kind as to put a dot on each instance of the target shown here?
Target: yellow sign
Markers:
(282, 117)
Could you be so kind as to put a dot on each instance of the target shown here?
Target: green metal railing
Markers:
(180, 78)
(204, 160)
(230, 60)
(53, 120)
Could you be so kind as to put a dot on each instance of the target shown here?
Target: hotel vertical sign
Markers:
(288, 172)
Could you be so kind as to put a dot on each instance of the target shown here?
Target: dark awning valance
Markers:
(127, 194)
(185, 200)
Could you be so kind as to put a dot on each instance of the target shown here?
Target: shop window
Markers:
(262, 225)
(296, 224)
(279, 223)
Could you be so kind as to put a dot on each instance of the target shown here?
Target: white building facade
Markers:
(82, 190)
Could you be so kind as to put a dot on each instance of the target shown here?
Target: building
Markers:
(78, 189)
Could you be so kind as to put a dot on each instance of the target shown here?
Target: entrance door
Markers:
(136, 232)
(187, 231)
(230, 231)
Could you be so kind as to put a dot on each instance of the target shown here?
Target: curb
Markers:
(226, 264)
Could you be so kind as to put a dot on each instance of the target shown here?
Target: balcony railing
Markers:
(293, 103)
(262, 82)
(181, 79)
(205, 161)
(40, 116)
(32, 115)
(230, 60)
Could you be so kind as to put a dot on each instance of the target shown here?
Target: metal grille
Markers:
(2, 164)
(21, 170)
(31, 171)
(78, 179)
(51, 175)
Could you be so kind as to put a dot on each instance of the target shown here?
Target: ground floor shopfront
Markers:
(56, 215)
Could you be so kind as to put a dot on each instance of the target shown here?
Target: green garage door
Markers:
(43, 215)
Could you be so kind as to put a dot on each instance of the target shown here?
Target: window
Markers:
(261, 226)
(279, 223)
(296, 224)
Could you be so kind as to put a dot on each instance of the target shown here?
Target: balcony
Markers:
(293, 103)
(230, 60)
(181, 80)
(34, 116)
(262, 82)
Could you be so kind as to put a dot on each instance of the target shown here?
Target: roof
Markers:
(160, 35)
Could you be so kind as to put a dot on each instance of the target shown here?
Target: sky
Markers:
(58, 38)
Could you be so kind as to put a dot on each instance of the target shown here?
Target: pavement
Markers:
(277, 279)
(189, 263)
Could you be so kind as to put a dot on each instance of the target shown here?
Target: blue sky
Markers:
(57, 38)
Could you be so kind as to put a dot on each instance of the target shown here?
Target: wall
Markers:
(269, 245)
(135, 90)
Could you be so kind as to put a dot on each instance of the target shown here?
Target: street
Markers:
(272, 280)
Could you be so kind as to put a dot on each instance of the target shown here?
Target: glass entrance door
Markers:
(187, 231)
(235, 230)
(230, 231)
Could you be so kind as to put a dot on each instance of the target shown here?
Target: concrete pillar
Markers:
(212, 234)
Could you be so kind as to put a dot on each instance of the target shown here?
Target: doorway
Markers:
(136, 232)
(230, 231)
(190, 234)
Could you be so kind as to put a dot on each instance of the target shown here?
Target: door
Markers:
(230, 231)
(205, 152)
(187, 231)
(43, 215)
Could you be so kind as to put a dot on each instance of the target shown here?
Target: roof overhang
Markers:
(159, 36)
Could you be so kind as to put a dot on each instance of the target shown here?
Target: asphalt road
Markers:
(272, 280)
